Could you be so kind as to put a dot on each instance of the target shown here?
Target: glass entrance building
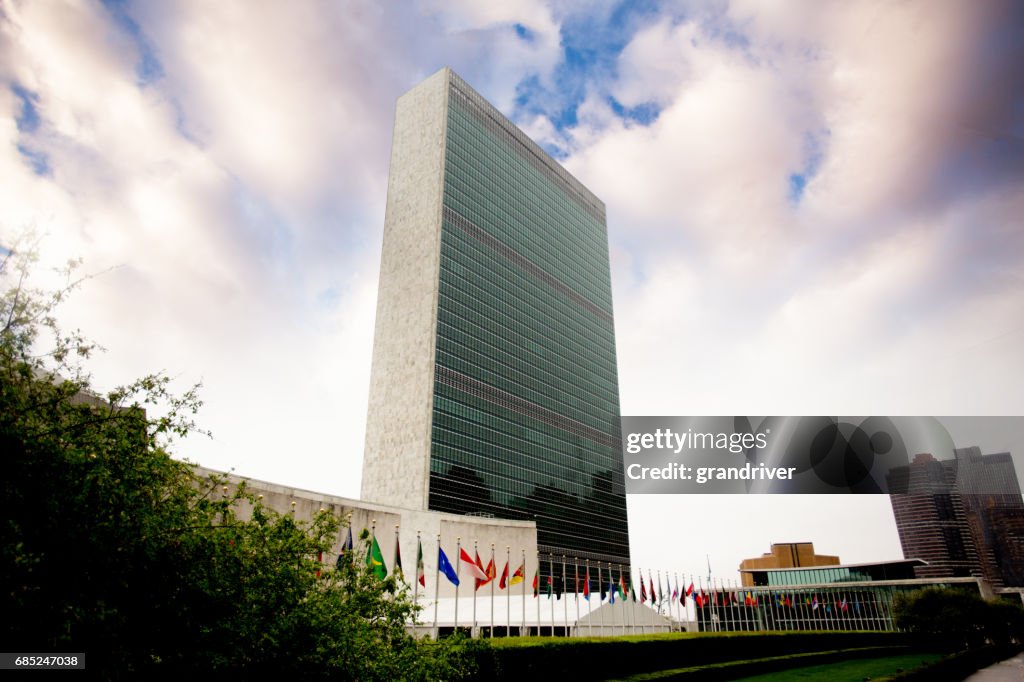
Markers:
(494, 386)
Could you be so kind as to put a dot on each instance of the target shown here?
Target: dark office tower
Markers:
(964, 516)
(995, 513)
(931, 520)
(494, 388)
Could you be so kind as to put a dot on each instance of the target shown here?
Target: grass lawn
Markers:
(852, 671)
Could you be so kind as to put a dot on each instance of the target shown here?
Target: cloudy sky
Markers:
(814, 208)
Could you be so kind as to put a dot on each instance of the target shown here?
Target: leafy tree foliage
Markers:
(952, 620)
(111, 547)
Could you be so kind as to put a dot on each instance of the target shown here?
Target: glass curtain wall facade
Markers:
(525, 414)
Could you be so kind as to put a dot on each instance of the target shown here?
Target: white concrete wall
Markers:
(519, 536)
(397, 456)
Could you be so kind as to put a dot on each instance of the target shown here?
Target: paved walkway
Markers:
(1010, 670)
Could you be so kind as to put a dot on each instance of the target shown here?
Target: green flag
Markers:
(375, 560)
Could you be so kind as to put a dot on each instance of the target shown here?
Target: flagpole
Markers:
(611, 603)
(675, 596)
(398, 555)
(622, 600)
(746, 605)
(508, 593)
(614, 611)
(704, 602)
(565, 601)
(458, 566)
(527, 571)
(551, 590)
(631, 621)
(586, 591)
(492, 591)
(416, 585)
(373, 536)
(472, 630)
(576, 591)
(537, 595)
(643, 600)
(437, 587)
(600, 598)
(613, 592)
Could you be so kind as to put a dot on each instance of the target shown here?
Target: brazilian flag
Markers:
(375, 560)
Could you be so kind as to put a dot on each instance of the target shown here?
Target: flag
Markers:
(398, 560)
(551, 586)
(842, 605)
(536, 592)
(814, 604)
(421, 575)
(503, 581)
(654, 596)
(519, 576)
(445, 567)
(611, 593)
(643, 591)
(586, 586)
(622, 585)
(699, 599)
(632, 592)
(375, 560)
(490, 571)
(689, 590)
(469, 565)
(345, 547)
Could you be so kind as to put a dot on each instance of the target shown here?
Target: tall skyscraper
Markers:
(494, 385)
(964, 516)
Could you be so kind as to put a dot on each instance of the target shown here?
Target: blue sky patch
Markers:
(815, 143)
(39, 161)
(591, 45)
(149, 67)
(28, 119)
(644, 114)
(524, 34)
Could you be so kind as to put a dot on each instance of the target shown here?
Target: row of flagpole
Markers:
(717, 605)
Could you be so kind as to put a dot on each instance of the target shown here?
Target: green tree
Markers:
(952, 620)
(112, 547)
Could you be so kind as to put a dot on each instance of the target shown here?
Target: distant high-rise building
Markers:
(494, 385)
(963, 516)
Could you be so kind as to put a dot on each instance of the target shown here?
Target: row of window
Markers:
(469, 114)
(551, 245)
(471, 174)
(582, 409)
(466, 263)
(506, 427)
(470, 387)
(504, 212)
(491, 249)
(499, 454)
(580, 365)
(505, 132)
